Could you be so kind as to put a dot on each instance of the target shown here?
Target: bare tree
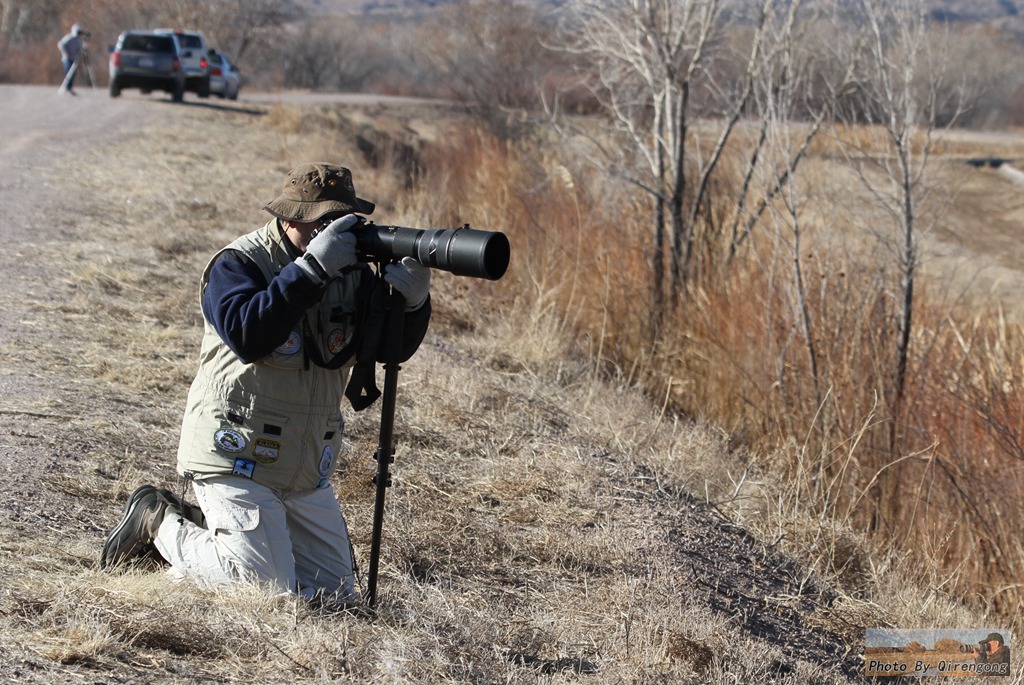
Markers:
(497, 56)
(328, 54)
(232, 25)
(26, 19)
(906, 94)
(658, 67)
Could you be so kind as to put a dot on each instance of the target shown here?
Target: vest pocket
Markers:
(224, 513)
(241, 431)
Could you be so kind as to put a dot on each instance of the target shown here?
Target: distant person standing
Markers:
(70, 47)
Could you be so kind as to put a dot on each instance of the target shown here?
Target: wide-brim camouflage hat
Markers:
(315, 190)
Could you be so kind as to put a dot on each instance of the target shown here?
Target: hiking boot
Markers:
(139, 523)
(148, 555)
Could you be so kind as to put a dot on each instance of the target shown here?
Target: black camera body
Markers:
(462, 251)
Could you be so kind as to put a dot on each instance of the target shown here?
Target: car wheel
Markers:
(204, 88)
(179, 92)
(115, 88)
(233, 95)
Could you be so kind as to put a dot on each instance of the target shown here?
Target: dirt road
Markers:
(41, 132)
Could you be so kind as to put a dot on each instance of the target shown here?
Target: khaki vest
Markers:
(277, 421)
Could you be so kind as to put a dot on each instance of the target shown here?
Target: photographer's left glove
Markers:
(410, 278)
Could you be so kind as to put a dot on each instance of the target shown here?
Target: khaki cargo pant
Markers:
(291, 542)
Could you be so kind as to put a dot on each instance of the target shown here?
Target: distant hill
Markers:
(1003, 15)
(397, 8)
(975, 10)
(941, 10)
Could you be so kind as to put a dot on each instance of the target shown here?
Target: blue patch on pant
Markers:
(326, 459)
(243, 468)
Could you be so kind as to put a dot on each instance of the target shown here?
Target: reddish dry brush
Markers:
(939, 479)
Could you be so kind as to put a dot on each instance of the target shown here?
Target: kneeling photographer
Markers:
(287, 309)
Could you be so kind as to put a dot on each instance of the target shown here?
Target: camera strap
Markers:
(371, 319)
(362, 390)
(313, 351)
(338, 360)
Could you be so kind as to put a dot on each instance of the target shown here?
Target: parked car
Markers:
(147, 61)
(224, 77)
(192, 50)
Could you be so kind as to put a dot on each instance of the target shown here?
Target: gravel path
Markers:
(40, 133)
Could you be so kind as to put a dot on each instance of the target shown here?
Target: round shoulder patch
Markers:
(229, 440)
(291, 345)
(337, 339)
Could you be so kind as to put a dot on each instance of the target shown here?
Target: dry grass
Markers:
(734, 351)
(540, 505)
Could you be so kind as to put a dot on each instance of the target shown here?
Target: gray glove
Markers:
(330, 250)
(410, 278)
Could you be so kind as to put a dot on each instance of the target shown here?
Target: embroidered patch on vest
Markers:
(291, 345)
(266, 451)
(229, 440)
(337, 340)
(243, 468)
(326, 458)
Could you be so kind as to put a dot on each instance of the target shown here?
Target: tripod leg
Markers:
(385, 444)
(70, 75)
(88, 71)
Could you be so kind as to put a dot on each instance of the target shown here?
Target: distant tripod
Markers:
(81, 58)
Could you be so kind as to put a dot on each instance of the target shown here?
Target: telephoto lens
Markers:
(462, 251)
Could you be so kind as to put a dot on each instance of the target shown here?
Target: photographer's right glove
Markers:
(330, 250)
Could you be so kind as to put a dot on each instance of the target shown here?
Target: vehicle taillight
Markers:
(176, 65)
(203, 63)
(115, 59)
(215, 71)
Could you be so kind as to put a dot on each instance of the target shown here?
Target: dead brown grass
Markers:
(733, 353)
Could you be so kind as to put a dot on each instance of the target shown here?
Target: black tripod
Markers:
(385, 454)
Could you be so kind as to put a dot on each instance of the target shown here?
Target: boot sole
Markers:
(126, 515)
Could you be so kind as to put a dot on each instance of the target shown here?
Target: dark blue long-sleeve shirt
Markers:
(254, 317)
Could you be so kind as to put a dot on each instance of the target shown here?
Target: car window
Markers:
(147, 44)
(190, 42)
